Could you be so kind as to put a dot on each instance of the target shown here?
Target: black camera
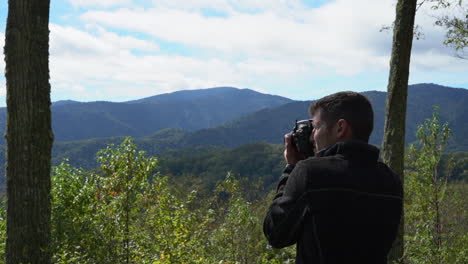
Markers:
(300, 137)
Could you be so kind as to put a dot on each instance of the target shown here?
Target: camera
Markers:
(300, 137)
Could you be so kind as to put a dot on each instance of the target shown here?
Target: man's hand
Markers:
(291, 155)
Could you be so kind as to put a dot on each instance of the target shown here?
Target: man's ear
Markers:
(343, 130)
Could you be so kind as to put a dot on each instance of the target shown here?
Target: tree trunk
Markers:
(393, 148)
(29, 134)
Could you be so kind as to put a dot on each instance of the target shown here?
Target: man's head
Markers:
(341, 116)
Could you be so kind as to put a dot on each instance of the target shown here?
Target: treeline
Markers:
(265, 162)
(256, 161)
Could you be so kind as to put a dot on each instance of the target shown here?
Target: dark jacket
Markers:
(341, 206)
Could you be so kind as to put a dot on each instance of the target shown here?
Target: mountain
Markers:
(188, 110)
(64, 102)
(270, 124)
(231, 95)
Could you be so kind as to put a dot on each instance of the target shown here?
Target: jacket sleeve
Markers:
(283, 222)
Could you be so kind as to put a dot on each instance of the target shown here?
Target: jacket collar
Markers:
(352, 149)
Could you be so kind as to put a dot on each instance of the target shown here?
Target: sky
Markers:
(120, 50)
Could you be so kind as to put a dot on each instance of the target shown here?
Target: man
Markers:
(342, 205)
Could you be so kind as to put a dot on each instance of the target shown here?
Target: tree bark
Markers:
(393, 148)
(29, 134)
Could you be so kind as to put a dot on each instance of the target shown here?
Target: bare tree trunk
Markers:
(393, 148)
(29, 134)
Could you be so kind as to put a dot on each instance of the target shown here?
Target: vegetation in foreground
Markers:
(124, 212)
(436, 227)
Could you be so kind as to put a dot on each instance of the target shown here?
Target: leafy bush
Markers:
(435, 228)
(125, 212)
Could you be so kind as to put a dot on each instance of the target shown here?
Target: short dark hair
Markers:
(353, 107)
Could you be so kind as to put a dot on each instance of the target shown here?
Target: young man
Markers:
(342, 205)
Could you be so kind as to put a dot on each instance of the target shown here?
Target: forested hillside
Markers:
(270, 124)
(188, 110)
(204, 166)
(232, 117)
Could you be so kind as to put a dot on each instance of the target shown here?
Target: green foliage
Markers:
(252, 161)
(125, 212)
(432, 234)
(455, 165)
(239, 237)
(3, 235)
(73, 196)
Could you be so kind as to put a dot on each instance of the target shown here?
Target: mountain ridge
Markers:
(267, 125)
(188, 110)
(270, 124)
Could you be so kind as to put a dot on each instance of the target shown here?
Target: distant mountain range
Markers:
(269, 125)
(225, 116)
(187, 110)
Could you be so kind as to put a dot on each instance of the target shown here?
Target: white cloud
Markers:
(2, 72)
(131, 75)
(99, 3)
(2, 58)
(255, 44)
(341, 35)
(221, 5)
(100, 63)
(430, 57)
(231, 6)
(71, 40)
(274, 40)
(80, 60)
(271, 67)
(2, 89)
(434, 61)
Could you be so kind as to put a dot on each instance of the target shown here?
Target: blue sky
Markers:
(119, 50)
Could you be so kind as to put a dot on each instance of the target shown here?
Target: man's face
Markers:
(322, 135)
